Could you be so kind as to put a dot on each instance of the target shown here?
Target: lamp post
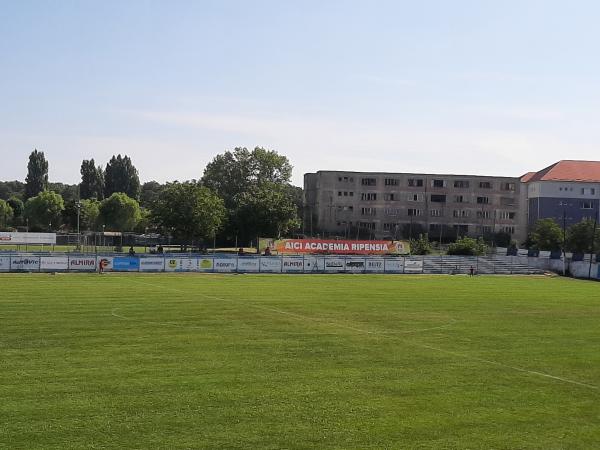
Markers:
(78, 205)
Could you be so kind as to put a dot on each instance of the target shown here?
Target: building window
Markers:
(368, 211)
(415, 212)
(368, 181)
(438, 183)
(368, 196)
(460, 199)
(508, 229)
(587, 205)
(339, 193)
(588, 191)
(485, 229)
(460, 213)
(351, 194)
(485, 185)
(461, 184)
(436, 198)
(483, 214)
(504, 215)
(415, 182)
(391, 181)
(507, 201)
(391, 211)
(366, 225)
(483, 200)
(415, 197)
(348, 208)
(461, 229)
(507, 186)
(389, 197)
(435, 212)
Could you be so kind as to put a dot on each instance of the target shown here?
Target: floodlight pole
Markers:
(592, 249)
(564, 242)
(78, 204)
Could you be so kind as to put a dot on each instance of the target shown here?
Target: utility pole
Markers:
(592, 247)
(564, 242)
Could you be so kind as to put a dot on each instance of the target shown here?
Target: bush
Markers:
(467, 246)
(420, 246)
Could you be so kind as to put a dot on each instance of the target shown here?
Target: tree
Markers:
(18, 208)
(44, 210)
(467, 246)
(547, 235)
(6, 214)
(242, 178)
(150, 192)
(119, 212)
(92, 180)
(69, 192)
(189, 211)
(420, 246)
(10, 189)
(89, 214)
(579, 237)
(121, 176)
(267, 209)
(37, 174)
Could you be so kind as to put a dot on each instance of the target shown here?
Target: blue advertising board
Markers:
(126, 264)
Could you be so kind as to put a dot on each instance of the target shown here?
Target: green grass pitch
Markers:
(311, 361)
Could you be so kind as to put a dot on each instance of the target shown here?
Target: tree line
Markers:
(242, 194)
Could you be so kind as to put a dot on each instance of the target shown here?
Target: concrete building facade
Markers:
(401, 205)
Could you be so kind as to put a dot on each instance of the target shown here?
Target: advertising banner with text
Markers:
(52, 263)
(152, 264)
(413, 266)
(82, 263)
(4, 263)
(28, 263)
(330, 246)
(27, 238)
(374, 265)
(292, 264)
(248, 264)
(225, 264)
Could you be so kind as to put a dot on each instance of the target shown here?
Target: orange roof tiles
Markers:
(567, 170)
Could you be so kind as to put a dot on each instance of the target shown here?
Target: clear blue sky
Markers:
(483, 87)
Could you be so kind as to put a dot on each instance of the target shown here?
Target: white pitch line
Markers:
(385, 334)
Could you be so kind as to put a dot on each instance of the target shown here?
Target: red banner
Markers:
(335, 247)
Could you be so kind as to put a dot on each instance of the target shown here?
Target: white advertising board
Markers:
(334, 264)
(248, 264)
(314, 264)
(413, 266)
(51, 263)
(355, 265)
(291, 264)
(82, 263)
(28, 263)
(152, 264)
(4, 263)
(205, 264)
(374, 265)
(395, 265)
(181, 265)
(27, 238)
(270, 264)
(105, 263)
(225, 264)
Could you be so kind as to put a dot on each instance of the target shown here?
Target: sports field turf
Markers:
(310, 361)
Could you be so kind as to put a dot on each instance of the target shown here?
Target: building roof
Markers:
(525, 178)
(567, 170)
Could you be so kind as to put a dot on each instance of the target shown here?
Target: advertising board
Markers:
(394, 265)
(374, 265)
(248, 264)
(291, 264)
(4, 263)
(82, 263)
(333, 264)
(270, 264)
(413, 266)
(105, 263)
(125, 264)
(225, 264)
(205, 264)
(52, 263)
(24, 263)
(152, 264)
(355, 265)
(14, 238)
(314, 264)
(340, 247)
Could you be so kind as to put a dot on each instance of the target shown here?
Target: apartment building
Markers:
(566, 191)
(400, 205)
